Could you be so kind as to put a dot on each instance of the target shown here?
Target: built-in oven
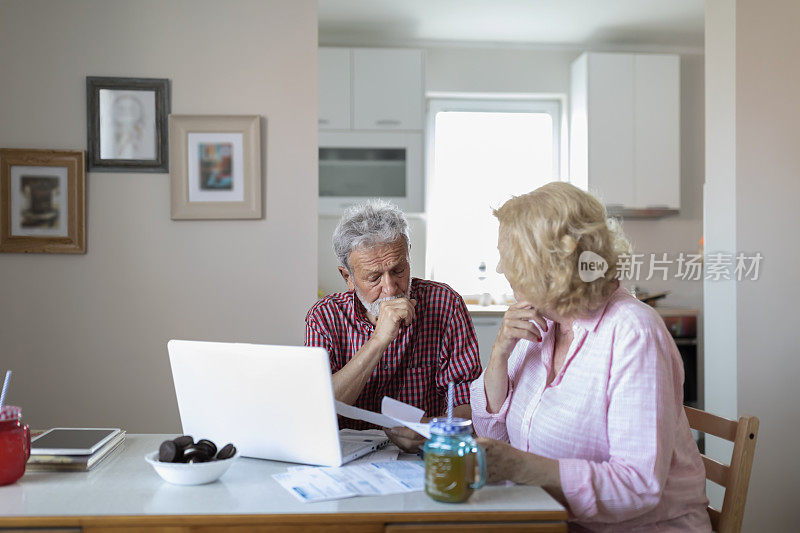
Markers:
(354, 166)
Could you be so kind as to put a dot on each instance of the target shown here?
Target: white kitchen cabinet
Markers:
(625, 130)
(334, 70)
(388, 89)
(486, 329)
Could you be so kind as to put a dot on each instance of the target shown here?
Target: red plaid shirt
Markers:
(438, 347)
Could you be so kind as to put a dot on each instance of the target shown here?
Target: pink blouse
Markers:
(613, 418)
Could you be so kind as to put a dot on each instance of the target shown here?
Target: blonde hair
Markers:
(545, 232)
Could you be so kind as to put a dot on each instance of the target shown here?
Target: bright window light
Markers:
(480, 160)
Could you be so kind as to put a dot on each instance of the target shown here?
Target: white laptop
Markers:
(271, 402)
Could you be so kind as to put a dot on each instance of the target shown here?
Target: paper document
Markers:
(393, 413)
(378, 456)
(316, 484)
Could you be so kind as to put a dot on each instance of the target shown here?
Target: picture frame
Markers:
(215, 169)
(42, 201)
(127, 124)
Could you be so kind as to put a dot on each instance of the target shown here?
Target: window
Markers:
(481, 152)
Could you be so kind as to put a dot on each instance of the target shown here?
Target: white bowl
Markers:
(190, 473)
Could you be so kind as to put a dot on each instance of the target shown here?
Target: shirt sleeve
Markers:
(486, 424)
(317, 335)
(642, 420)
(460, 362)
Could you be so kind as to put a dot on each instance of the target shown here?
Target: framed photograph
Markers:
(42, 201)
(215, 170)
(127, 124)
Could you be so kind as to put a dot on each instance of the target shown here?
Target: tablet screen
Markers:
(71, 439)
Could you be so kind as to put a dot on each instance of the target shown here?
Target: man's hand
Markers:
(406, 439)
(393, 313)
(521, 321)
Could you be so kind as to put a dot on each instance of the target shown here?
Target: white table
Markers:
(124, 491)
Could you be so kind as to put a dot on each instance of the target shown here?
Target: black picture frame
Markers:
(161, 88)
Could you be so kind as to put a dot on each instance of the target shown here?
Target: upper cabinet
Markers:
(334, 88)
(387, 89)
(370, 89)
(625, 130)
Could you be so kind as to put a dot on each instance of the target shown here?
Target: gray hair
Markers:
(369, 224)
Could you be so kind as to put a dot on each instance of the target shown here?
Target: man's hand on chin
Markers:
(406, 439)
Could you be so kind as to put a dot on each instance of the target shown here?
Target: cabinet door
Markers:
(334, 88)
(486, 330)
(657, 130)
(387, 89)
(611, 119)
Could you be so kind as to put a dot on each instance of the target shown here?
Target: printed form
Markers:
(317, 484)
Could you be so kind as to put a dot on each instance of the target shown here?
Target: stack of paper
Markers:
(316, 484)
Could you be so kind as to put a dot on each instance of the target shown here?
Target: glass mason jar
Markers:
(15, 445)
(450, 461)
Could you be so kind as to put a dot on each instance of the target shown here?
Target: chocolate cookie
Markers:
(212, 448)
(227, 451)
(196, 454)
(168, 452)
(183, 441)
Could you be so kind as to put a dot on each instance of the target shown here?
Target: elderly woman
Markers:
(583, 392)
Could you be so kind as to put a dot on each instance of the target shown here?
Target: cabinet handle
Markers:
(323, 121)
(387, 122)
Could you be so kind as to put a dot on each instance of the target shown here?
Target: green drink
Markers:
(450, 459)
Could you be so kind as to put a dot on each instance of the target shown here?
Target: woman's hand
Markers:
(521, 321)
(504, 462)
(516, 325)
(501, 459)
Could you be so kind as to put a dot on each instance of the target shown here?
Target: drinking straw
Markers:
(5, 389)
(450, 394)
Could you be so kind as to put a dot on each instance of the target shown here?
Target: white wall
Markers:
(86, 335)
(719, 228)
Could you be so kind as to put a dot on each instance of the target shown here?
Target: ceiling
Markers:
(579, 23)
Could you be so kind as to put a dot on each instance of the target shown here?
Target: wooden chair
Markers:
(735, 477)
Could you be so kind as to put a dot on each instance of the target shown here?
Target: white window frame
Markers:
(554, 105)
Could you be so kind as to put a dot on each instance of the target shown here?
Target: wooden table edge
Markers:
(250, 519)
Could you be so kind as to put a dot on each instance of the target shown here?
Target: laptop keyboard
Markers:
(350, 446)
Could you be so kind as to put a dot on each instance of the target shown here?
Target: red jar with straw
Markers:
(15, 439)
(15, 444)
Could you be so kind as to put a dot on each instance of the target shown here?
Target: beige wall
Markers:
(86, 335)
(768, 220)
(752, 190)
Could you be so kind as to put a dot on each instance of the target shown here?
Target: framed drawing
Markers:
(42, 201)
(215, 169)
(127, 124)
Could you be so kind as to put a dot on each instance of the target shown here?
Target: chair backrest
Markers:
(734, 477)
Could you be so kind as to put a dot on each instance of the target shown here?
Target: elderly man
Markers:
(390, 334)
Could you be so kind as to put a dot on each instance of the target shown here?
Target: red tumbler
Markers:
(15, 445)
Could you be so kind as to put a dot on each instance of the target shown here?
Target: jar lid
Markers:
(456, 426)
(10, 412)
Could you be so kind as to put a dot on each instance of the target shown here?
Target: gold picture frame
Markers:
(42, 201)
(215, 166)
